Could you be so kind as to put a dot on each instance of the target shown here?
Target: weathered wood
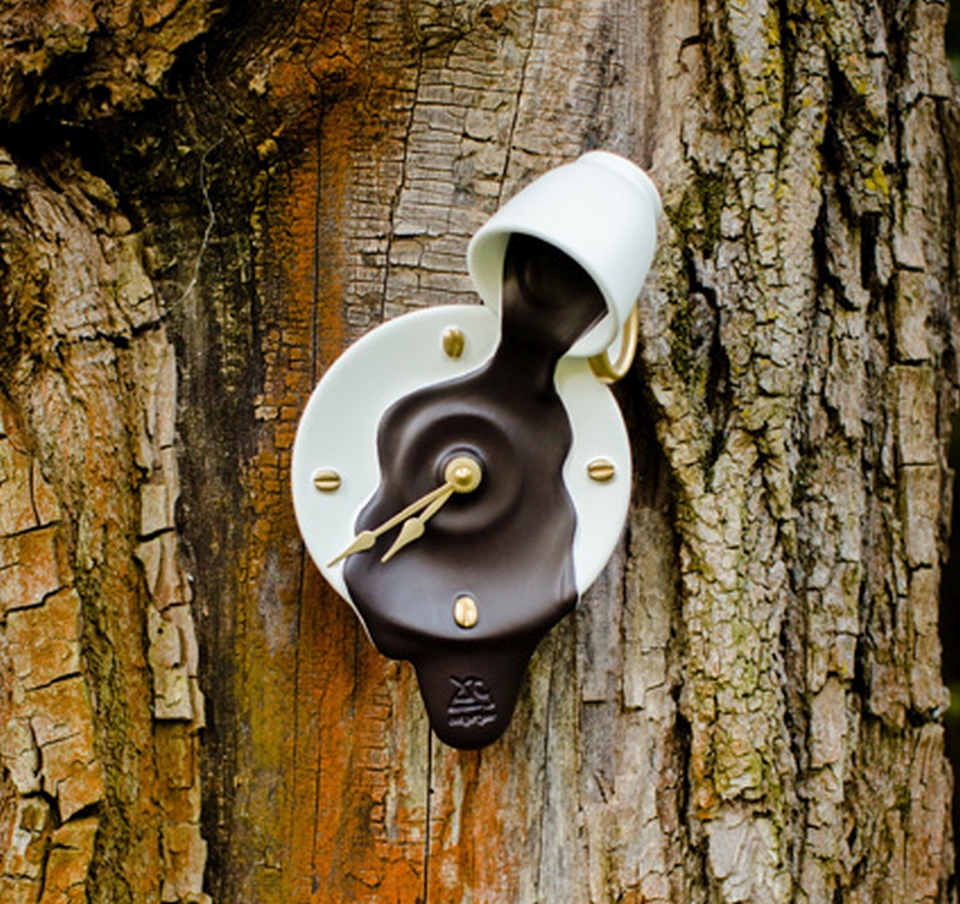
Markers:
(746, 706)
(101, 762)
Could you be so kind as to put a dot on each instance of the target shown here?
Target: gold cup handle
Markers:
(609, 372)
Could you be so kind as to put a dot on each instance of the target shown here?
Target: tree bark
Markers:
(202, 205)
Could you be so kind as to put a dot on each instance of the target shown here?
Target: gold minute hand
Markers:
(462, 476)
(413, 528)
(366, 538)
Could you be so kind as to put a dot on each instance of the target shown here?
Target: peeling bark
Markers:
(102, 706)
(747, 705)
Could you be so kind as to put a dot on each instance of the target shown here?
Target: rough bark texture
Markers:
(201, 207)
(102, 788)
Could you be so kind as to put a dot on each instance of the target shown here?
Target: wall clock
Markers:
(461, 474)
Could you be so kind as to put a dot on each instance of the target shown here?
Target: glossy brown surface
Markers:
(509, 543)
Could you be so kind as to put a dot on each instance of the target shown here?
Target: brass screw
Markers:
(601, 470)
(465, 612)
(453, 342)
(326, 480)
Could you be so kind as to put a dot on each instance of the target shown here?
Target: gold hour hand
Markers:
(366, 538)
(413, 528)
(462, 475)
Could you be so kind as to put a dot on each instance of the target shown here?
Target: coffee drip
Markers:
(508, 545)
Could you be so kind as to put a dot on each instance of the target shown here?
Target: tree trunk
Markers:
(202, 205)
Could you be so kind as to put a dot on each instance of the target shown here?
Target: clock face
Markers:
(468, 600)
(339, 426)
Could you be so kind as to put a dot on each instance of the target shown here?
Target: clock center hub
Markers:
(463, 473)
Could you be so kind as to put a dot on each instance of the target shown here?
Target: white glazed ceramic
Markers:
(338, 430)
(602, 210)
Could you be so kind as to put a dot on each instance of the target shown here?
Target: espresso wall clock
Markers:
(461, 474)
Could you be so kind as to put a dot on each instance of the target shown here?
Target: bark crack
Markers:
(515, 118)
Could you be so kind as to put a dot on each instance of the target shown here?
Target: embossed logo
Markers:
(472, 704)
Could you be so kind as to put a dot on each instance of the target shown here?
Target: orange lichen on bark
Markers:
(348, 765)
(332, 810)
(270, 567)
(482, 840)
(326, 750)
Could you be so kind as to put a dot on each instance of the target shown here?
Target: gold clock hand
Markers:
(413, 528)
(462, 475)
(366, 538)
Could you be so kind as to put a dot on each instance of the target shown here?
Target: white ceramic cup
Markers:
(601, 210)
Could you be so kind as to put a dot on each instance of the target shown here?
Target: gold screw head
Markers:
(326, 480)
(453, 342)
(465, 612)
(601, 470)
